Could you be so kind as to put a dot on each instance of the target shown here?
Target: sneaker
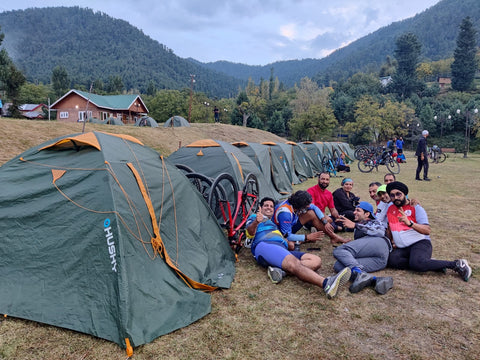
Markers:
(463, 269)
(427, 179)
(383, 284)
(335, 281)
(361, 281)
(275, 274)
(418, 179)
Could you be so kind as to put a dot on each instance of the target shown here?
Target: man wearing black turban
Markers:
(397, 185)
(409, 232)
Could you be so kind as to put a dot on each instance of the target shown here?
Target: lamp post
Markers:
(466, 148)
(442, 121)
(475, 112)
(412, 131)
(192, 80)
(225, 110)
(206, 110)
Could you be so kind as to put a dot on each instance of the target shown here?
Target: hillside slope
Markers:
(436, 28)
(94, 46)
(20, 135)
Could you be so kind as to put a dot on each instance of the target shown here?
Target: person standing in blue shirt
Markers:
(400, 143)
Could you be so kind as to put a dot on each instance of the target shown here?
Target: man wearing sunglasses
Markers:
(409, 232)
(270, 249)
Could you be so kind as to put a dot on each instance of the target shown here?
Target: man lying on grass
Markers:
(409, 231)
(270, 249)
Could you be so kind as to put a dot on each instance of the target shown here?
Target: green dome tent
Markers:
(91, 240)
(176, 121)
(95, 120)
(316, 152)
(213, 157)
(113, 121)
(146, 121)
(269, 164)
(300, 162)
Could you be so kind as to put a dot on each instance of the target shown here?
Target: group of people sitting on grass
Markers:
(396, 235)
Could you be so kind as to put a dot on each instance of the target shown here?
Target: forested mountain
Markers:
(436, 28)
(92, 45)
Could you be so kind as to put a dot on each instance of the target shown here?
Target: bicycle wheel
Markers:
(365, 165)
(392, 165)
(223, 198)
(250, 195)
(360, 152)
(334, 162)
(185, 169)
(441, 157)
(325, 164)
(335, 156)
(201, 182)
(328, 166)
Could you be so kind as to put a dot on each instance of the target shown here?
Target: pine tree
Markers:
(11, 80)
(465, 65)
(60, 81)
(407, 53)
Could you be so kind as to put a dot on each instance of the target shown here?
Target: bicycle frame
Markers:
(233, 210)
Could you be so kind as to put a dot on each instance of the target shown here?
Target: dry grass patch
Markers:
(425, 316)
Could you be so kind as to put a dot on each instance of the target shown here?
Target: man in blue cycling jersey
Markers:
(270, 249)
(298, 211)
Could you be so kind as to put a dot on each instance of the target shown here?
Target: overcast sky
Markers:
(253, 32)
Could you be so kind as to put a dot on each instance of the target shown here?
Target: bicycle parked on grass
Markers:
(378, 156)
(436, 155)
(329, 163)
(232, 206)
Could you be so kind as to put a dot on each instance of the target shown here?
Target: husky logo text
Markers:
(110, 243)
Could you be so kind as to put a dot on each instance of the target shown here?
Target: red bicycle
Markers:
(232, 207)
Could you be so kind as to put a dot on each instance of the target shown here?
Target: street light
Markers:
(442, 121)
(475, 111)
(412, 129)
(192, 80)
(206, 110)
(468, 114)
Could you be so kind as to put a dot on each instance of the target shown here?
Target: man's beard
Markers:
(323, 186)
(400, 203)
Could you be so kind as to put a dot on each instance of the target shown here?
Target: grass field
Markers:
(425, 316)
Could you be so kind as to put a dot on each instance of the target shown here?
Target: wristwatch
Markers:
(411, 223)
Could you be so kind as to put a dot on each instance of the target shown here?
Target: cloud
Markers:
(249, 31)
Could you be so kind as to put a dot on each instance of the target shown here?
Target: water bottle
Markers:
(296, 247)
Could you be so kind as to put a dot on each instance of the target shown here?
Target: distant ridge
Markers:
(92, 45)
(436, 28)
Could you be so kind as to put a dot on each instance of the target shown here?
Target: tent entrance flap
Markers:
(156, 240)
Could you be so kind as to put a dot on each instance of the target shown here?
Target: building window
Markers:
(63, 114)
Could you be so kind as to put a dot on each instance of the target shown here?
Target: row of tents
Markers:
(174, 121)
(277, 166)
(92, 237)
